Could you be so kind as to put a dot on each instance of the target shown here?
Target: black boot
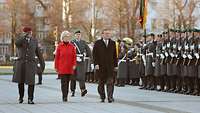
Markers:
(30, 101)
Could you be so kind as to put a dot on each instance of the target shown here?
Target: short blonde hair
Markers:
(63, 34)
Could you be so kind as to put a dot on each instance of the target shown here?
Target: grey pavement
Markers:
(49, 68)
(128, 99)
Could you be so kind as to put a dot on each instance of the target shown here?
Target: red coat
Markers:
(65, 58)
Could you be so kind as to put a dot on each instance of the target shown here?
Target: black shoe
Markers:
(195, 92)
(83, 92)
(39, 83)
(21, 101)
(172, 90)
(143, 87)
(102, 100)
(65, 99)
(152, 88)
(159, 89)
(148, 87)
(189, 92)
(110, 100)
(30, 101)
(177, 90)
(73, 94)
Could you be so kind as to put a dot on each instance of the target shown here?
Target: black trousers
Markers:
(30, 91)
(109, 86)
(65, 78)
(39, 77)
(73, 83)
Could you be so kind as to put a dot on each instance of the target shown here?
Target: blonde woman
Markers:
(65, 62)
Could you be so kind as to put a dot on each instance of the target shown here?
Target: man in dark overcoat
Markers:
(105, 61)
(25, 67)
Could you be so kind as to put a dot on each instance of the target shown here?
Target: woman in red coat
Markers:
(65, 62)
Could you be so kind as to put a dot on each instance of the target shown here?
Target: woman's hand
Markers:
(74, 67)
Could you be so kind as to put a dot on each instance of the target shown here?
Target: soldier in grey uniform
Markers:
(82, 51)
(184, 68)
(171, 66)
(25, 67)
(141, 64)
(163, 64)
(179, 61)
(149, 68)
(157, 72)
(192, 69)
(197, 64)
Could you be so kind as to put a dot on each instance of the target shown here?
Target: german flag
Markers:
(143, 13)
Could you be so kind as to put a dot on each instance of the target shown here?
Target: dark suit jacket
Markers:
(105, 57)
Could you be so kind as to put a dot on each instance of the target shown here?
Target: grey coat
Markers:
(149, 69)
(171, 67)
(25, 66)
(157, 71)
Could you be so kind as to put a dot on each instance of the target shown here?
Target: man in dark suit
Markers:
(105, 61)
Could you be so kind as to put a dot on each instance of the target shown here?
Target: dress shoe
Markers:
(110, 100)
(21, 101)
(159, 89)
(177, 90)
(171, 90)
(30, 101)
(65, 99)
(83, 92)
(102, 100)
(153, 88)
(195, 92)
(73, 94)
(148, 87)
(189, 92)
(143, 87)
(39, 83)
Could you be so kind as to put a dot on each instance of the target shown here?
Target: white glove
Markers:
(184, 56)
(162, 56)
(171, 54)
(174, 46)
(157, 55)
(190, 56)
(153, 64)
(164, 47)
(168, 45)
(96, 67)
(196, 55)
(166, 54)
(186, 47)
(38, 65)
(179, 48)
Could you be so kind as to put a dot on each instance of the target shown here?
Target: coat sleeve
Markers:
(88, 51)
(115, 55)
(74, 56)
(56, 62)
(20, 41)
(40, 58)
(95, 54)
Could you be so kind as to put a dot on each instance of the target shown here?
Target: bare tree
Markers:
(186, 19)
